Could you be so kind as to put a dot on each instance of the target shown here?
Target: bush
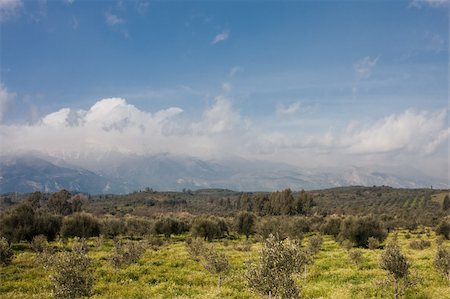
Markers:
(81, 225)
(272, 226)
(278, 261)
(315, 244)
(443, 228)
(298, 227)
(168, 226)
(419, 244)
(39, 243)
(216, 263)
(347, 244)
(112, 227)
(125, 254)
(393, 261)
(6, 252)
(138, 227)
(72, 273)
(245, 223)
(442, 261)
(373, 243)
(356, 257)
(195, 248)
(360, 229)
(331, 226)
(209, 227)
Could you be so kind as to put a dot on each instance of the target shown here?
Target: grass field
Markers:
(169, 272)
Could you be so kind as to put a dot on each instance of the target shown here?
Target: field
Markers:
(169, 272)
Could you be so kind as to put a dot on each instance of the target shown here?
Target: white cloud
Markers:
(112, 19)
(9, 9)
(410, 131)
(69, 2)
(363, 68)
(223, 36)
(283, 110)
(431, 3)
(6, 98)
(234, 70)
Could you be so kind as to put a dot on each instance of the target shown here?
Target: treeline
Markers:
(64, 218)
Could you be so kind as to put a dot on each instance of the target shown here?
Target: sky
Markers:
(308, 83)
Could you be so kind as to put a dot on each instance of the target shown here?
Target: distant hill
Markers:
(124, 174)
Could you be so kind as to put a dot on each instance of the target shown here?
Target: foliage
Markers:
(446, 203)
(419, 244)
(443, 228)
(215, 263)
(81, 225)
(72, 275)
(278, 261)
(6, 252)
(356, 256)
(39, 243)
(169, 225)
(126, 253)
(195, 247)
(245, 223)
(373, 243)
(393, 261)
(442, 261)
(360, 229)
(209, 227)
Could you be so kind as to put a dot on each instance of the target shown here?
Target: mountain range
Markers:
(119, 173)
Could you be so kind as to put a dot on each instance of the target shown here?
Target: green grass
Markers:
(169, 272)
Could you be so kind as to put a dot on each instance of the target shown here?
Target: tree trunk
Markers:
(218, 282)
(395, 289)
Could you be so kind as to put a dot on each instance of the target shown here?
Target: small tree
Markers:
(39, 243)
(446, 203)
(6, 252)
(442, 261)
(72, 274)
(393, 261)
(278, 261)
(356, 257)
(245, 223)
(216, 263)
(196, 247)
(315, 244)
(125, 254)
(373, 243)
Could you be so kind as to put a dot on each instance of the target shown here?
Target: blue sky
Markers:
(298, 75)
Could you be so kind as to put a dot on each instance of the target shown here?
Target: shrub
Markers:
(331, 226)
(360, 229)
(442, 261)
(443, 228)
(272, 226)
(393, 261)
(347, 244)
(216, 263)
(39, 243)
(112, 227)
(245, 223)
(125, 254)
(419, 244)
(373, 243)
(138, 227)
(209, 227)
(278, 261)
(195, 248)
(356, 257)
(72, 275)
(81, 225)
(298, 227)
(315, 244)
(169, 226)
(6, 252)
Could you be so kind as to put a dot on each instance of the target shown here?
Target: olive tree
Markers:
(273, 275)
(395, 262)
(442, 261)
(216, 263)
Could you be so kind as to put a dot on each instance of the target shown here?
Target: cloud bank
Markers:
(114, 125)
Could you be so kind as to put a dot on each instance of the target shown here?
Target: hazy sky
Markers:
(311, 83)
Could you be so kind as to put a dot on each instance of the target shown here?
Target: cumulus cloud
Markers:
(283, 110)
(223, 36)
(409, 131)
(112, 19)
(9, 9)
(6, 98)
(220, 130)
